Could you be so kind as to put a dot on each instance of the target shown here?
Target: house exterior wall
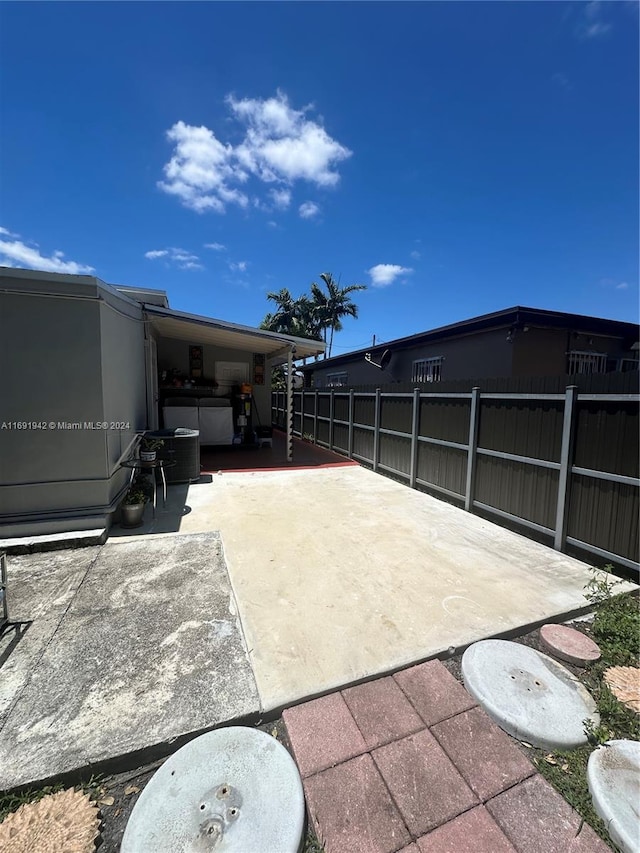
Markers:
(506, 351)
(124, 393)
(54, 336)
(469, 356)
(544, 352)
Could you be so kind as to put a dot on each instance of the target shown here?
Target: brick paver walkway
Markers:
(410, 763)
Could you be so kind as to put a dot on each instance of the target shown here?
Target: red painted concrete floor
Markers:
(410, 763)
(236, 459)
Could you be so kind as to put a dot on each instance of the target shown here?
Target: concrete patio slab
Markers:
(40, 589)
(150, 649)
(342, 574)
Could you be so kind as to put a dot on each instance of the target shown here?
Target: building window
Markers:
(427, 370)
(587, 362)
(627, 364)
(337, 380)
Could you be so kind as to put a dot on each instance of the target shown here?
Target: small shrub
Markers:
(135, 496)
(616, 629)
(600, 588)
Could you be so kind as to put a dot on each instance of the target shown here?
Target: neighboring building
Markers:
(80, 367)
(515, 342)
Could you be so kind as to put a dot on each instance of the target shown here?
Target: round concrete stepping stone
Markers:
(613, 775)
(234, 789)
(529, 695)
(569, 645)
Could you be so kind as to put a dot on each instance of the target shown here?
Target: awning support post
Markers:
(290, 404)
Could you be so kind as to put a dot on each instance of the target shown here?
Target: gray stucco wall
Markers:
(123, 386)
(55, 338)
(543, 352)
(481, 355)
(473, 356)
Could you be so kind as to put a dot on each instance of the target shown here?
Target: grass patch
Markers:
(616, 629)
(312, 845)
(12, 800)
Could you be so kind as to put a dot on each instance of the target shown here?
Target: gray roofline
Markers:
(41, 275)
(68, 278)
(233, 327)
(138, 293)
(67, 286)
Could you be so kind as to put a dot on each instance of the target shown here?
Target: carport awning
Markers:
(206, 330)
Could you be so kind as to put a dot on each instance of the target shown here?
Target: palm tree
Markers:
(332, 306)
(292, 316)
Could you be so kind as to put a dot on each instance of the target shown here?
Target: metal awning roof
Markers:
(206, 330)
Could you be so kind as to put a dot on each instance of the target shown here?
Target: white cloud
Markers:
(591, 24)
(177, 257)
(280, 145)
(217, 247)
(415, 255)
(382, 275)
(239, 266)
(308, 210)
(201, 169)
(281, 198)
(15, 253)
(614, 284)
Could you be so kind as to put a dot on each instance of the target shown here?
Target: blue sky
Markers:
(457, 158)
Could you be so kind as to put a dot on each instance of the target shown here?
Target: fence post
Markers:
(351, 416)
(471, 451)
(376, 431)
(415, 424)
(315, 418)
(566, 454)
(302, 412)
(331, 412)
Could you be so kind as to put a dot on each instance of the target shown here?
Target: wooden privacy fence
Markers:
(564, 465)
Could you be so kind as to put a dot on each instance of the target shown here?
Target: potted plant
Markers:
(132, 507)
(149, 448)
